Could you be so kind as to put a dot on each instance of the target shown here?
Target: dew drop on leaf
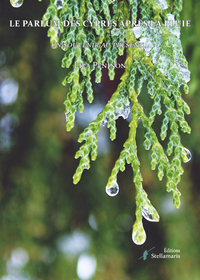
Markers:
(163, 4)
(16, 3)
(115, 32)
(59, 4)
(114, 190)
(139, 236)
(137, 31)
(66, 117)
(187, 156)
(126, 112)
(147, 216)
(104, 122)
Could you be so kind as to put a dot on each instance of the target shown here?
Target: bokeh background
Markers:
(51, 229)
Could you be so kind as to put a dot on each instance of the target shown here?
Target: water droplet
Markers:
(125, 111)
(173, 29)
(155, 56)
(147, 45)
(187, 156)
(59, 4)
(115, 32)
(58, 32)
(149, 217)
(104, 122)
(163, 4)
(16, 3)
(137, 31)
(66, 117)
(147, 147)
(139, 235)
(114, 190)
(184, 71)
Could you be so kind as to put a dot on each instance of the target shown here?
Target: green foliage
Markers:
(157, 61)
(38, 201)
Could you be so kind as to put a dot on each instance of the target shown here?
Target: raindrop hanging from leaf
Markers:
(138, 234)
(16, 3)
(59, 4)
(114, 190)
(186, 154)
(150, 215)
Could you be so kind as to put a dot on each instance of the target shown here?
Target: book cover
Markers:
(99, 139)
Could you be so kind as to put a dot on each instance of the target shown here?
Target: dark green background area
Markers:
(38, 201)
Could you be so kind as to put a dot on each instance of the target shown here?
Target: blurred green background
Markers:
(52, 229)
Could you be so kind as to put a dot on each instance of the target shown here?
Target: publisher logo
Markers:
(168, 253)
(145, 254)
